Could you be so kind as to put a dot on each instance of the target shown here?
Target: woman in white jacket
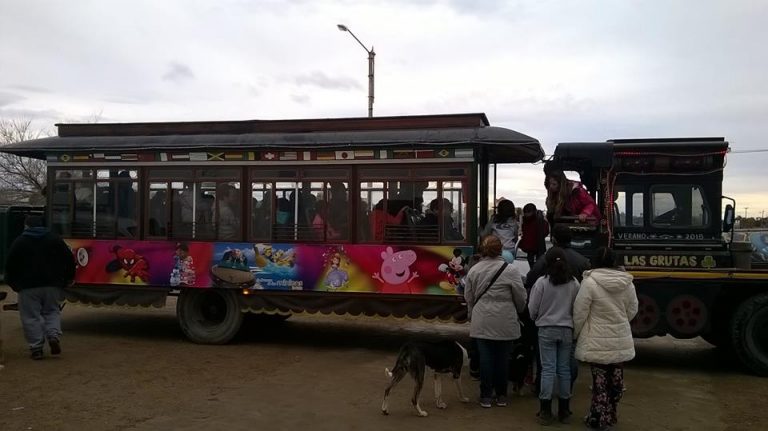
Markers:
(604, 306)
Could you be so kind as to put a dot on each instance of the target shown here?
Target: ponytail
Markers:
(557, 266)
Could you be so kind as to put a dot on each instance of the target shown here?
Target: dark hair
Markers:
(562, 235)
(604, 257)
(490, 246)
(33, 221)
(504, 210)
(182, 246)
(529, 208)
(557, 266)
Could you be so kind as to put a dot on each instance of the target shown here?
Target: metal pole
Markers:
(371, 54)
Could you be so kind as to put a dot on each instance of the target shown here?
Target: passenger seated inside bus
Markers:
(229, 213)
(323, 229)
(566, 198)
(381, 220)
(337, 208)
(433, 218)
(157, 214)
(126, 206)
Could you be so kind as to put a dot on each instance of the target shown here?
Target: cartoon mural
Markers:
(304, 267)
(396, 271)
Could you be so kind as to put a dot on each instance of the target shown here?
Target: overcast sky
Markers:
(555, 70)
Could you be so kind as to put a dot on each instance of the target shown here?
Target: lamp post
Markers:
(371, 54)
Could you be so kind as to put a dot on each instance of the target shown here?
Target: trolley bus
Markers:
(373, 216)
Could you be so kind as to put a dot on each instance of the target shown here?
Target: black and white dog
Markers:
(442, 357)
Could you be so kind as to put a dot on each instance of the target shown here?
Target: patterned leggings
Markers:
(607, 389)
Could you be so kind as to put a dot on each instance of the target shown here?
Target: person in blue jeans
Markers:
(551, 307)
(493, 307)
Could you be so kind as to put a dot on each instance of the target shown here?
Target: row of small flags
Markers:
(267, 155)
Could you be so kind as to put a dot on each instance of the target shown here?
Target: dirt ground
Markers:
(132, 369)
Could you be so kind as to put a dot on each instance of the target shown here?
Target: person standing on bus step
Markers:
(39, 265)
(504, 225)
(604, 306)
(551, 308)
(535, 230)
(568, 198)
(495, 295)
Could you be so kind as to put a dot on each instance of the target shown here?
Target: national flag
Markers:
(251, 155)
(81, 157)
(199, 157)
(163, 157)
(444, 153)
(364, 154)
(463, 152)
(233, 156)
(326, 155)
(112, 157)
(98, 155)
(383, 154)
(130, 157)
(307, 155)
(345, 155)
(183, 156)
(146, 157)
(288, 155)
(425, 154)
(402, 154)
(269, 155)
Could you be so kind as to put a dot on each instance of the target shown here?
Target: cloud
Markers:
(9, 98)
(321, 80)
(300, 98)
(31, 88)
(178, 72)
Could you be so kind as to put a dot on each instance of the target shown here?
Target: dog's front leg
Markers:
(439, 393)
(459, 390)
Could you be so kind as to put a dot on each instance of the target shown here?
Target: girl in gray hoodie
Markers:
(551, 307)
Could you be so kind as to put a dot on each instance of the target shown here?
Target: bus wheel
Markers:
(749, 331)
(209, 316)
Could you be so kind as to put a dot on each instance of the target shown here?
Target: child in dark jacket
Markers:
(535, 230)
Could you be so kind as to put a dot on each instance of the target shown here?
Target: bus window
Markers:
(157, 224)
(228, 207)
(82, 223)
(679, 206)
(261, 210)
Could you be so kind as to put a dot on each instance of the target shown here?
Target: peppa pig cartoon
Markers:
(396, 271)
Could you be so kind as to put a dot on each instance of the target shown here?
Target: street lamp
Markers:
(371, 54)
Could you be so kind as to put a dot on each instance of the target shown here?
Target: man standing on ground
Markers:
(39, 265)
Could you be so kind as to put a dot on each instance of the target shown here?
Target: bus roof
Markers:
(422, 131)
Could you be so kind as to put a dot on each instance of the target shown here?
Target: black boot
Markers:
(564, 410)
(545, 412)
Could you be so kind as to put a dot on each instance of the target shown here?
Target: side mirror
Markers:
(728, 218)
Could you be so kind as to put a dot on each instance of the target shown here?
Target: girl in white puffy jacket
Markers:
(604, 306)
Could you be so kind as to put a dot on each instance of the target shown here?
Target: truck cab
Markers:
(665, 216)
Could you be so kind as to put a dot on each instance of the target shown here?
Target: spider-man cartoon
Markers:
(131, 262)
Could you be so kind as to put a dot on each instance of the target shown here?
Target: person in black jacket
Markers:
(38, 266)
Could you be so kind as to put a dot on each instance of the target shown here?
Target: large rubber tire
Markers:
(749, 332)
(209, 316)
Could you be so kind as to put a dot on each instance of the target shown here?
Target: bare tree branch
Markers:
(22, 180)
